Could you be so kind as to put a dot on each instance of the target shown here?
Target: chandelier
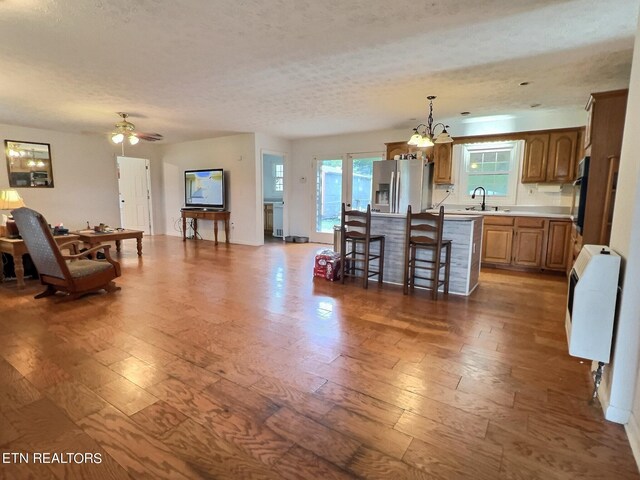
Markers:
(424, 134)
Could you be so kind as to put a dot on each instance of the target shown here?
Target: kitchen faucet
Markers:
(484, 196)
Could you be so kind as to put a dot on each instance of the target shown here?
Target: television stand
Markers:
(203, 214)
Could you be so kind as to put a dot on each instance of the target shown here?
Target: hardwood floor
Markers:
(233, 362)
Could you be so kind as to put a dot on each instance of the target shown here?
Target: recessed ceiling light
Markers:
(465, 113)
(535, 105)
(522, 84)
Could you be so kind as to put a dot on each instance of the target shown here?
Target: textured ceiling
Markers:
(192, 69)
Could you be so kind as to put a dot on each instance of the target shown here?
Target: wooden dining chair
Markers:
(75, 274)
(355, 230)
(424, 234)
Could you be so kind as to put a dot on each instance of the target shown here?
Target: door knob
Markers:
(348, 204)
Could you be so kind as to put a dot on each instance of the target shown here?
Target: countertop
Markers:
(453, 216)
(467, 215)
(506, 213)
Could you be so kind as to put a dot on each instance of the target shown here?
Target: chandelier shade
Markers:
(424, 134)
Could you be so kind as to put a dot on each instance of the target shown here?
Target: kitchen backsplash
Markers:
(547, 197)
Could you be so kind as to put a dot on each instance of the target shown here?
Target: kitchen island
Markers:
(465, 233)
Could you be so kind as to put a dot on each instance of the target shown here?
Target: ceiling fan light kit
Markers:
(125, 130)
(424, 134)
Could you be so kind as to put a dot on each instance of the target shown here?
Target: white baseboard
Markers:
(633, 434)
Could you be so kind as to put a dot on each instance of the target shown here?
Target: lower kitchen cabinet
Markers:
(497, 244)
(527, 250)
(527, 243)
(558, 245)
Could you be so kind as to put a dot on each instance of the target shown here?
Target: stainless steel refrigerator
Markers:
(400, 183)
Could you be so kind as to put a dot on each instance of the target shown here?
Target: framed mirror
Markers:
(29, 164)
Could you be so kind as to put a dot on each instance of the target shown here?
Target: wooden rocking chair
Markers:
(73, 274)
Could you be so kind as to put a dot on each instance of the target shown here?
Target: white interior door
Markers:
(135, 193)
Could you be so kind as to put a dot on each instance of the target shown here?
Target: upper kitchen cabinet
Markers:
(534, 166)
(441, 154)
(551, 156)
(603, 140)
(561, 161)
(443, 159)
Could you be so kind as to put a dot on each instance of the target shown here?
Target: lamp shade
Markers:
(425, 141)
(415, 139)
(117, 138)
(133, 140)
(10, 199)
(444, 137)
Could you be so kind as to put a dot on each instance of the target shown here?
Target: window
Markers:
(278, 177)
(362, 179)
(493, 166)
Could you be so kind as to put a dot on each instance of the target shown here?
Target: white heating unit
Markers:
(591, 306)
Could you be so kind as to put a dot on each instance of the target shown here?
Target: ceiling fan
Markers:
(126, 129)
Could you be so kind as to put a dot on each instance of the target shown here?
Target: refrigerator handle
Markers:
(392, 193)
(398, 187)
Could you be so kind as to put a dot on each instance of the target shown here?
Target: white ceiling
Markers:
(191, 69)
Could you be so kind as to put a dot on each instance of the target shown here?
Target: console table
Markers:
(205, 215)
(17, 248)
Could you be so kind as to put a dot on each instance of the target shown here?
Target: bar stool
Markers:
(424, 232)
(355, 229)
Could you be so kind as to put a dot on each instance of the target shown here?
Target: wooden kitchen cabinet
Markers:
(607, 111)
(534, 164)
(558, 244)
(525, 243)
(443, 159)
(528, 245)
(561, 160)
(575, 245)
(550, 157)
(609, 199)
(497, 244)
(527, 249)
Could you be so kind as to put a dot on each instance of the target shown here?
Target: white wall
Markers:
(621, 399)
(304, 151)
(236, 155)
(84, 176)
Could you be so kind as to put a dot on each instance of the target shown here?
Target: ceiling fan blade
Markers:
(149, 137)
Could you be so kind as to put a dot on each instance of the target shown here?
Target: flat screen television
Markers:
(205, 188)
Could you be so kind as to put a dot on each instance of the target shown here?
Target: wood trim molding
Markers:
(502, 137)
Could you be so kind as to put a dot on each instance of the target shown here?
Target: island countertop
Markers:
(454, 217)
(465, 233)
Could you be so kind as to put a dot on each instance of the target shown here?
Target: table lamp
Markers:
(10, 199)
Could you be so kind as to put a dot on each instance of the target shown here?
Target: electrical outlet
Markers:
(233, 225)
